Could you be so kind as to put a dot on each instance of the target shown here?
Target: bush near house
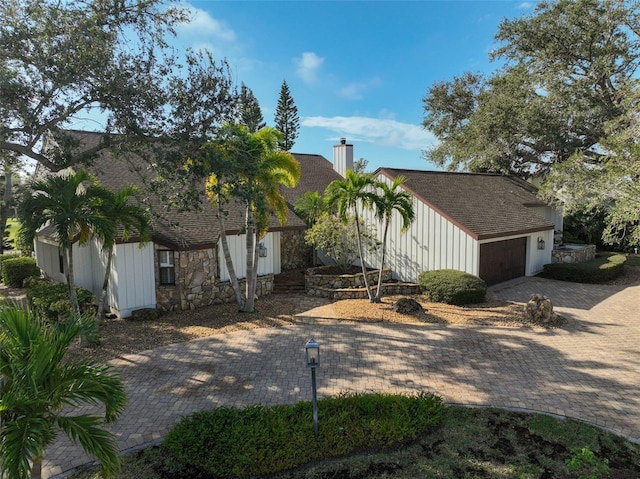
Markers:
(605, 267)
(51, 300)
(452, 287)
(7, 256)
(258, 440)
(15, 270)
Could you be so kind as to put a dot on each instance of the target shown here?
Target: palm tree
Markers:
(275, 168)
(247, 167)
(126, 217)
(392, 199)
(348, 195)
(37, 382)
(70, 205)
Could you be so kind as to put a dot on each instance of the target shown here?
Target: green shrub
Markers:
(603, 268)
(452, 287)
(6, 256)
(258, 440)
(16, 270)
(52, 299)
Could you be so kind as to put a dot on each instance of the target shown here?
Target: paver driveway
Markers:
(588, 370)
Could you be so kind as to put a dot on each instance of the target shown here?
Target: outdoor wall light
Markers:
(312, 358)
(262, 250)
(540, 242)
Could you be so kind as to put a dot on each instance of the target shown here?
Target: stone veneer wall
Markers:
(582, 255)
(294, 253)
(197, 283)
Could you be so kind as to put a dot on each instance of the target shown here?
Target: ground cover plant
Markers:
(466, 443)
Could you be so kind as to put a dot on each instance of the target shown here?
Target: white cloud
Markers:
(204, 25)
(525, 6)
(385, 132)
(308, 65)
(356, 90)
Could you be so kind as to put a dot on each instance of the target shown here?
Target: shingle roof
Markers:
(483, 205)
(316, 174)
(170, 227)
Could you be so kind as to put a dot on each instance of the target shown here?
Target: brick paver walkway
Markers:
(588, 370)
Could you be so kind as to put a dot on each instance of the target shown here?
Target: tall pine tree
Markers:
(250, 113)
(286, 119)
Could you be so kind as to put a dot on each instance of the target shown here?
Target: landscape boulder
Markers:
(407, 306)
(539, 309)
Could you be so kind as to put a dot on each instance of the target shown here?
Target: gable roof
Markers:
(316, 174)
(483, 205)
(180, 230)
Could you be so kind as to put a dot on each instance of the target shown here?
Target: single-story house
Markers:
(488, 225)
(182, 267)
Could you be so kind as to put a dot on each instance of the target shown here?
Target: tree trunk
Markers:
(71, 288)
(378, 296)
(227, 258)
(105, 286)
(249, 304)
(7, 198)
(364, 268)
(36, 467)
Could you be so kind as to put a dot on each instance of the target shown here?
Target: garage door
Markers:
(503, 260)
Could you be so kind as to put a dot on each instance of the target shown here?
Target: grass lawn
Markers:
(468, 443)
(13, 226)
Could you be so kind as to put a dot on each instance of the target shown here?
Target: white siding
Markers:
(132, 281)
(238, 250)
(431, 242)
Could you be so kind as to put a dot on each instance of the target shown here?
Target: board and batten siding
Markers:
(131, 284)
(431, 242)
(238, 249)
(132, 280)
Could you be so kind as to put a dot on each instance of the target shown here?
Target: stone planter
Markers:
(351, 286)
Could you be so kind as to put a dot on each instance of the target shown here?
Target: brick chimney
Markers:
(342, 157)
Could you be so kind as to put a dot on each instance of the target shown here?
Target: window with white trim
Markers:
(166, 267)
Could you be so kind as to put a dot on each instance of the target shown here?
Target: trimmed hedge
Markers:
(229, 442)
(52, 300)
(16, 270)
(4, 257)
(605, 267)
(452, 287)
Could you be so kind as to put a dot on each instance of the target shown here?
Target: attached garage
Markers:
(503, 260)
(488, 225)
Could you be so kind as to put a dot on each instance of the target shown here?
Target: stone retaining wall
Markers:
(361, 293)
(578, 255)
(351, 286)
(314, 278)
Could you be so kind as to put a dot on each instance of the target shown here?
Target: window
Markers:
(61, 260)
(166, 267)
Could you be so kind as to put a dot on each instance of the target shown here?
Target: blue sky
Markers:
(355, 69)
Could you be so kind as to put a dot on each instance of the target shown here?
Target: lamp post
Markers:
(312, 357)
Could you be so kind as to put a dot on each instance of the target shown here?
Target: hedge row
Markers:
(258, 440)
(16, 269)
(605, 267)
